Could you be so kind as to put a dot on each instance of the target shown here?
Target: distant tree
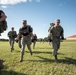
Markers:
(46, 39)
(4, 40)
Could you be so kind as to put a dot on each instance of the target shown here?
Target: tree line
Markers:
(38, 40)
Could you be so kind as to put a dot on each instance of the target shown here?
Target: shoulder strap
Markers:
(1, 12)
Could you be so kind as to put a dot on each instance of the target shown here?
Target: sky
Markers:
(39, 14)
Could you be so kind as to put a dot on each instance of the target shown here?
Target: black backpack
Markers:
(3, 24)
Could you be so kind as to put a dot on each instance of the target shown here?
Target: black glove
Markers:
(62, 38)
(16, 40)
(50, 40)
(32, 40)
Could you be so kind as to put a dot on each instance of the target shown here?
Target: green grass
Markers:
(41, 62)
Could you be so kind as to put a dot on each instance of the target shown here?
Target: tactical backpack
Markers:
(50, 35)
(3, 24)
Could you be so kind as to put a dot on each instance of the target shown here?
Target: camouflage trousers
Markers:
(25, 40)
(56, 45)
(11, 41)
(19, 43)
(34, 42)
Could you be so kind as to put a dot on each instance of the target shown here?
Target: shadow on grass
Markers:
(64, 61)
(3, 72)
(42, 52)
(43, 48)
(68, 61)
(1, 64)
(11, 72)
(39, 52)
(18, 50)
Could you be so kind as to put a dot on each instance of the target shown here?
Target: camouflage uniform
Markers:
(57, 32)
(12, 35)
(19, 43)
(26, 39)
(34, 39)
(18, 40)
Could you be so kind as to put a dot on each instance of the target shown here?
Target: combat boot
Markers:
(56, 59)
(11, 49)
(21, 59)
(30, 52)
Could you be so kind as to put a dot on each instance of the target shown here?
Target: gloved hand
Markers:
(62, 38)
(16, 40)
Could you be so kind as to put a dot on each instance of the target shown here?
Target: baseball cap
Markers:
(12, 28)
(58, 20)
(24, 21)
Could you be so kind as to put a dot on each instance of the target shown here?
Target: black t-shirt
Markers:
(25, 31)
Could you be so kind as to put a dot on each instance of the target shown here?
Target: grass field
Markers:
(41, 62)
